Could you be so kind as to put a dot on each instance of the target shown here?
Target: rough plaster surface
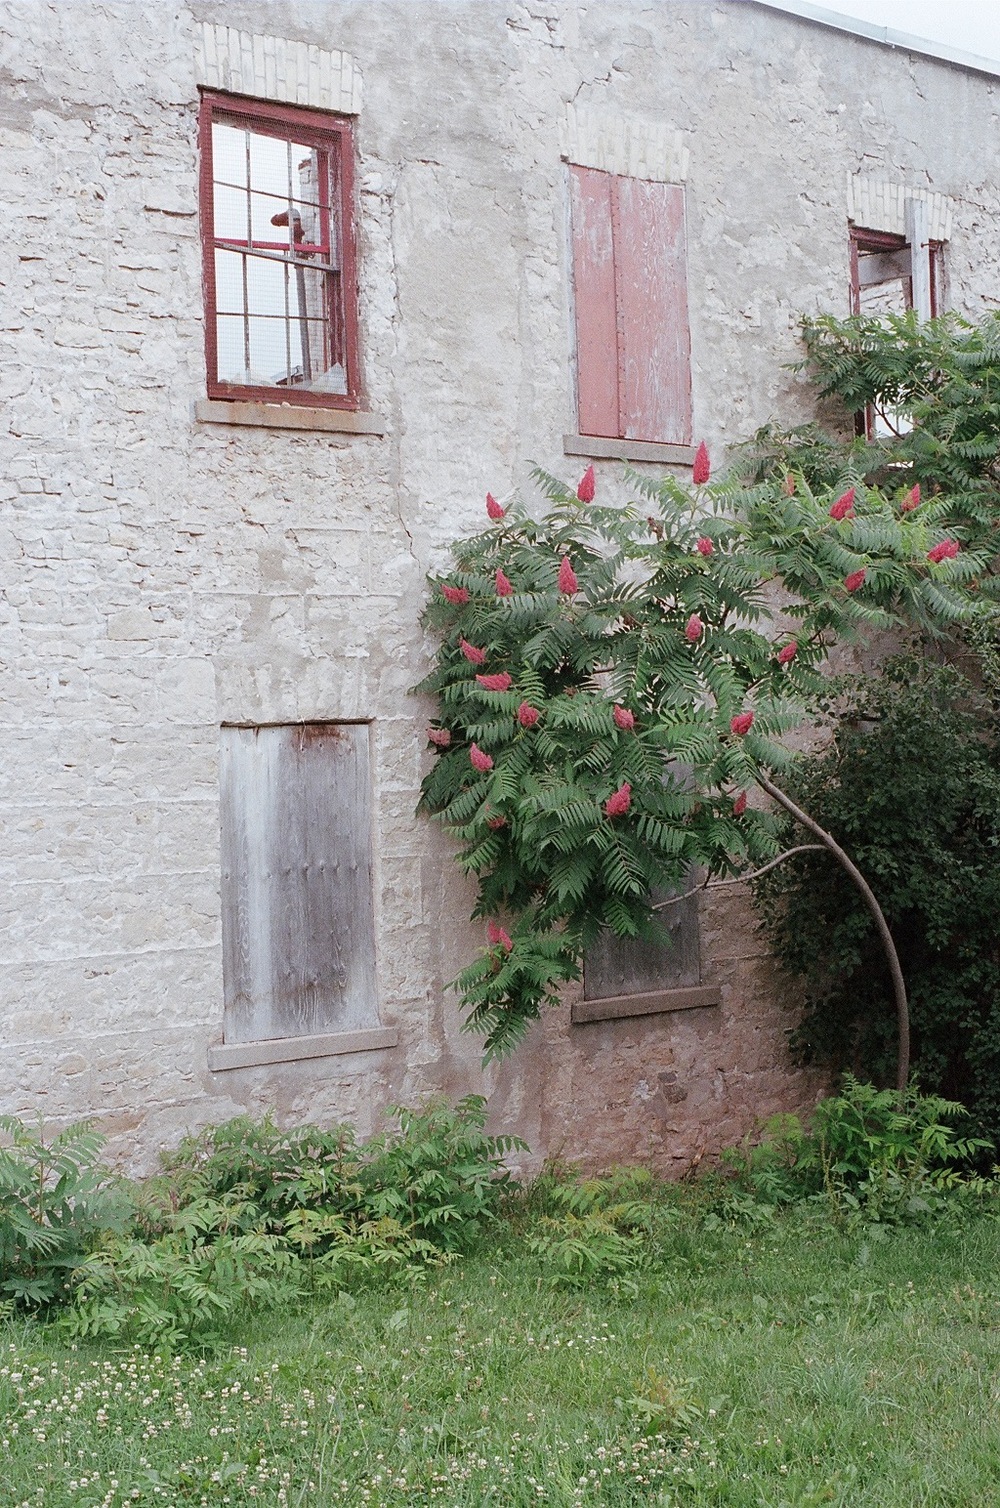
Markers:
(161, 577)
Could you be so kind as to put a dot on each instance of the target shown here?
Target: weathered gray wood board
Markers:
(298, 925)
(617, 966)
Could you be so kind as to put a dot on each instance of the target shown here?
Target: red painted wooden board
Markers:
(654, 343)
(595, 302)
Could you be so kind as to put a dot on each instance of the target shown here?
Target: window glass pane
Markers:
(230, 206)
(258, 351)
(266, 209)
(229, 154)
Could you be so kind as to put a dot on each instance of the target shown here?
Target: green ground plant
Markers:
(769, 1333)
(797, 1364)
(244, 1215)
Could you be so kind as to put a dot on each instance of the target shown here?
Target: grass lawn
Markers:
(795, 1366)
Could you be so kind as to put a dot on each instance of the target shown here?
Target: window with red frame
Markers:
(277, 232)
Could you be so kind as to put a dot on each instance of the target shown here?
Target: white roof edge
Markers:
(823, 16)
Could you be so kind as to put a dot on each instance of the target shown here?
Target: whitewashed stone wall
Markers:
(162, 576)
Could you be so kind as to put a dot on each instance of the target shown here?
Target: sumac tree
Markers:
(612, 679)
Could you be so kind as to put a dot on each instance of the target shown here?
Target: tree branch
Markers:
(895, 968)
(741, 879)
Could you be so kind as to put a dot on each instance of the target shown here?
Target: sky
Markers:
(971, 25)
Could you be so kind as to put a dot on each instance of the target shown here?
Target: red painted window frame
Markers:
(319, 128)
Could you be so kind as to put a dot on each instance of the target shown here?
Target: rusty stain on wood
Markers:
(297, 912)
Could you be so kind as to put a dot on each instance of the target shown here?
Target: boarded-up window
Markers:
(298, 926)
(619, 966)
(630, 291)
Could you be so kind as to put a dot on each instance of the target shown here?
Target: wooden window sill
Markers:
(293, 1049)
(627, 450)
(342, 421)
(619, 1007)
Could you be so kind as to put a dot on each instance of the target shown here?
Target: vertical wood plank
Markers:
(595, 304)
(918, 233)
(652, 299)
(298, 914)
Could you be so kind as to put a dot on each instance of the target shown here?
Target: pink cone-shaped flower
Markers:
(439, 736)
(480, 761)
(946, 550)
(456, 595)
(741, 723)
(496, 823)
(587, 486)
(855, 580)
(702, 470)
(618, 804)
(705, 546)
(911, 500)
(472, 654)
(789, 485)
(740, 804)
(624, 719)
(567, 578)
(786, 655)
(493, 508)
(504, 585)
(498, 937)
(527, 715)
(499, 682)
(693, 629)
(844, 506)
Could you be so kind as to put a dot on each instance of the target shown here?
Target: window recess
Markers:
(298, 926)
(624, 977)
(279, 259)
(890, 274)
(633, 347)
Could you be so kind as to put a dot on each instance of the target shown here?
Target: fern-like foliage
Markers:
(632, 637)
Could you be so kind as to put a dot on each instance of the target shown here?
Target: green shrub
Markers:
(910, 785)
(242, 1214)
(55, 1198)
(867, 1151)
(440, 1175)
(249, 1214)
(597, 1230)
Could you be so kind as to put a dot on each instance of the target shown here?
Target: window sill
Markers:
(627, 450)
(293, 1049)
(342, 421)
(619, 1007)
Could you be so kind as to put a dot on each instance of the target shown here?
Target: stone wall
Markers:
(164, 575)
